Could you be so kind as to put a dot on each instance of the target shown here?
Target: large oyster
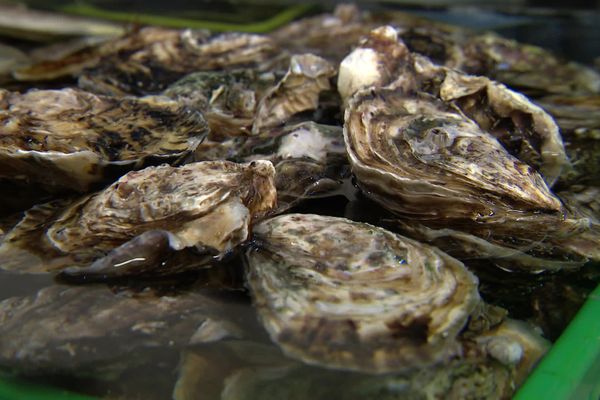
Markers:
(524, 129)
(208, 205)
(85, 331)
(72, 139)
(353, 296)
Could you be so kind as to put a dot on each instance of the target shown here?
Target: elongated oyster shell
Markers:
(73, 63)
(72, 139)
(154, 66)
(205, 205)
(419, 157)
(83, 330)
(310, 160)
(524, 129)
(348, 295)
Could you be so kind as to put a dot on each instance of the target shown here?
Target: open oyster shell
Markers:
(71, 139)
(208, 205)
(348, 295)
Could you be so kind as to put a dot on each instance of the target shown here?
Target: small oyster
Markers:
(83, 330)
(307, 76)
(514, 343)
(71, 139)
(207, 205)
(309, 159)
(228, 99)
(348, 295)
(524, 129)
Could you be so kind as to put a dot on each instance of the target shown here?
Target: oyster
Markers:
(347, 295)
(309, 159)
(85, 330)
(72, 63)
(228, 99)
(244, 102)
(307, 76)
(152, 67)
(257, 371)
(71, 139)
(524, 129)
(207, 205)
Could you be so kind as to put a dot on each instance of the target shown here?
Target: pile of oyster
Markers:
(325, 211)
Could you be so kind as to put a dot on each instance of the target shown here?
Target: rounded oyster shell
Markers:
(353, 296)
(205, 205)
(71, 139)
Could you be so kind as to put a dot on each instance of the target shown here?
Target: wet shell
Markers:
(72, 139)
(523, 128)
(205, 205)
(353, 296)
(418, 157)
(89, 330)
(310, 160)
(153, 67)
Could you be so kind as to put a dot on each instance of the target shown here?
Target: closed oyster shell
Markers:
(208, 205)
(524, 129)
(71, 139)
(348, 295)
(307, 76)
(419, 157)
(152, 67)
(73, 63)
(246, 102)
(85, 331)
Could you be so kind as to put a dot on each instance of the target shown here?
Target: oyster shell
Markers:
(152, 67)
(257, 371)
(307, 76)
(347, 295)
(524, 129)
(207, 205)
(419, 157)
(71, 139)
(245, 102)
(84, 330)
(73, 63)
(309, 159)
